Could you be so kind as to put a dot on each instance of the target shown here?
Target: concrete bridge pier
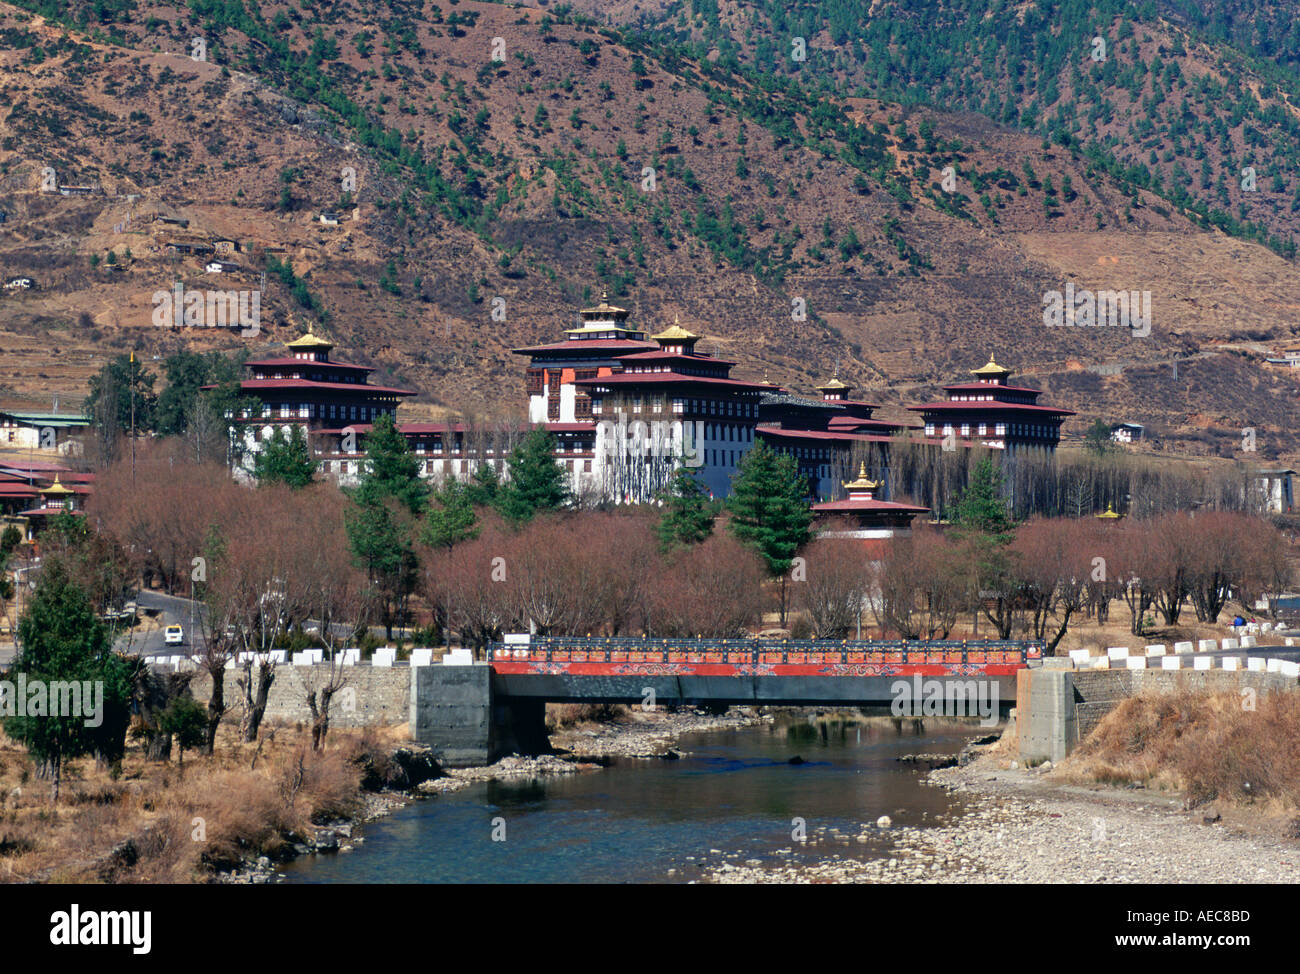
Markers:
(455, 711)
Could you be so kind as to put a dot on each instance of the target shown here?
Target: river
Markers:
(732, 797)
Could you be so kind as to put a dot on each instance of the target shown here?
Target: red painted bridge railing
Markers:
(761, 652)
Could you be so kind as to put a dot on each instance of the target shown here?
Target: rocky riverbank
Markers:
(653, 734)
(1024, 826)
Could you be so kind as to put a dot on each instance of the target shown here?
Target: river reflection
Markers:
(733, 796)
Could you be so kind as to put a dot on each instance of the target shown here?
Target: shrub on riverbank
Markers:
(1208, 745)
(562, 715)
(158, 822)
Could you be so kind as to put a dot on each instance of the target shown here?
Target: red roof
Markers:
(354, 428)
(33, 466)
(597, 344)
(848, 423)
(361, 387)
(989, 387)
(423, 429)
(866, 507)
(589, 427)
(666, 378)
(821, 435)
(305, 363)
(660, 355)
(991, 407)
(48, 512)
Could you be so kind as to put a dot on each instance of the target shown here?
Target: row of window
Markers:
(999, 429)
(697, 407)
(311, 410)
(435, 447)
(314, 377)
(1002, 397)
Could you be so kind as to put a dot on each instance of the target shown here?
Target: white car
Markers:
(173, 635)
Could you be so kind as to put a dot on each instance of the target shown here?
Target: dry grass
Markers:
(561, 716)
(1206, 745)
(159, 822)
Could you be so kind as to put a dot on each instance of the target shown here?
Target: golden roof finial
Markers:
(862, 482)
(991, 369)
(56, 487)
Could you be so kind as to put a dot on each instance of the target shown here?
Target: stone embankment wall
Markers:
(372, 695)
(1057, 708)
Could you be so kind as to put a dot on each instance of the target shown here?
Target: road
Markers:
(172, 611)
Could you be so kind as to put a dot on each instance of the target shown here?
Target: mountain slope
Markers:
(525, 179)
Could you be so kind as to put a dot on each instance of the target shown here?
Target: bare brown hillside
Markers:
(525, 179)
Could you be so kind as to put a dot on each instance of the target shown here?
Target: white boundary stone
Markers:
(1203, 663)
(1117, 652)
(1256, 664)
(1184, 647)
(1135, 663)
(1156, 649)
(1171, 663)
(1207, 646)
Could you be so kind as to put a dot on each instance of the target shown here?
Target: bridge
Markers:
(473, 713)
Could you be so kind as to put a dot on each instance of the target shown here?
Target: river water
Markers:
(732, 797)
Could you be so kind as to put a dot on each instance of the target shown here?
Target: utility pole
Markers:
(131, 383)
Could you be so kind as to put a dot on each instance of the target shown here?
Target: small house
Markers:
(1127, 432)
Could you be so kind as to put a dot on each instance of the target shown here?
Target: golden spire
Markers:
(55, 488)
(862, 482)
(991, 370)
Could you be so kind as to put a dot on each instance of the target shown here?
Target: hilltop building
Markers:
(992, 413)
(328, 399)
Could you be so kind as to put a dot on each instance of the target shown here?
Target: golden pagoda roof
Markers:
(862, 483)
(991, 369)
(675, 333)
(835, 383)
(55, 488)
(1109, 514)
(310, 340)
